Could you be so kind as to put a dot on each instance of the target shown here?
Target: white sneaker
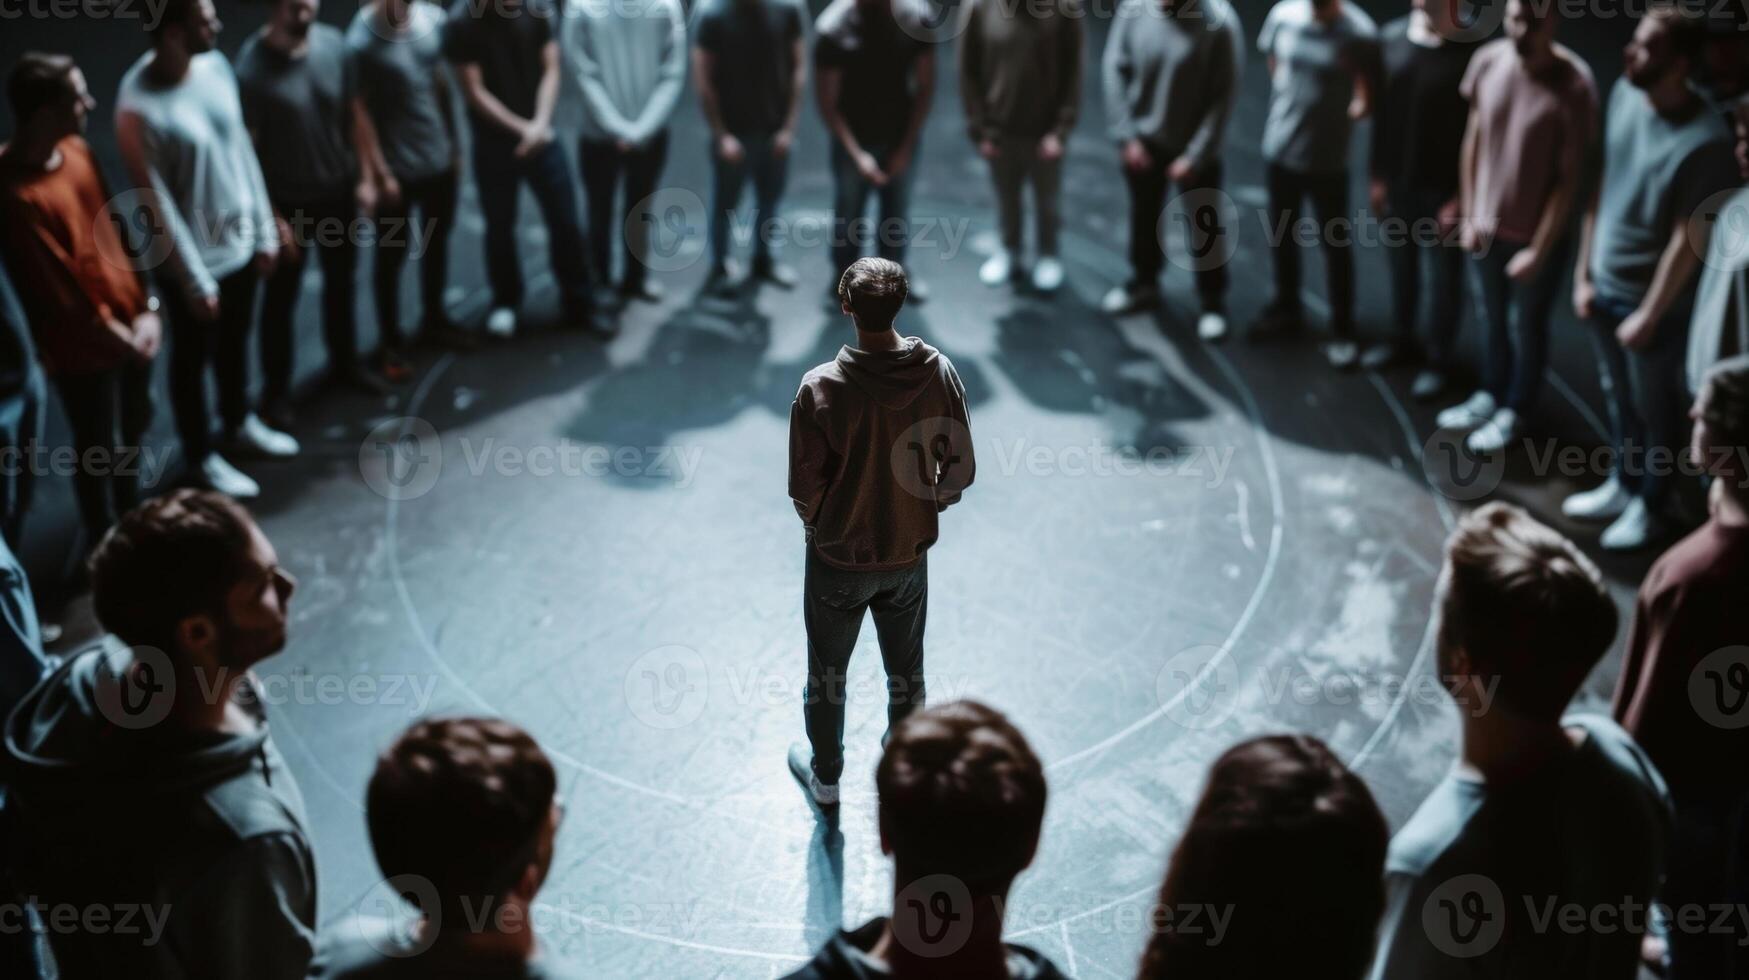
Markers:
(1047, 275)
(256, 438)
(1126, 299)
(1211, 326)
(997, 269)
(218, 474)
(501, 322)
(1342, 354)
(1606, 501)
(1469, 413)
(1494, 434)
(1633, 530)
(801, 766)
(1427, 384)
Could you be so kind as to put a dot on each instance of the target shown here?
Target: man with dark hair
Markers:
(879, 445)
(95, 324)
(463, 814)
(1547, 810)
(1689, 630)
(876, 82)
(179, 125)
(748, 64)
(1666, 153)
(144, 776)
(507, 59)
(1417, 135)
(962, 800)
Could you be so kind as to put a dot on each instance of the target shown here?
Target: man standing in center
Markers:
(879, 445)
(1020, 81)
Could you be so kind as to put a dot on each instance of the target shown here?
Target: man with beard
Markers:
(143, 780)
(1665, 154)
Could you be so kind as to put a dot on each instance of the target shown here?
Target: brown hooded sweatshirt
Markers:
(879, 444)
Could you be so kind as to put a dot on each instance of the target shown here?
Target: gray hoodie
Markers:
(153, 853)
(879, 444)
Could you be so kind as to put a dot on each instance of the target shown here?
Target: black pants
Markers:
(499, 176)
(399, 233)
(1148, 189)
(225, 344)
(1289, 190)
(833, 604)
(605, 168)
(109, 412)
(325, 229)
(1422, 255)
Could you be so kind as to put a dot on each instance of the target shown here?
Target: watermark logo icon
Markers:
(1465, 917)
(1198, 687)
(139, 695)
(141, 242)
(401, 458)
(930, 458)
(1193, 229)
(667, 229)
(400, 916)
(1718, 687)
(668, 687)
(932, 916)
(1456, 472)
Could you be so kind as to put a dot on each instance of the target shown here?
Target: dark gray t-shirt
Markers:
(1480, 880)
(751, 44)
(300, 112)
(1307, 128)
(370, 948)
(1656, 172)
(396, 69)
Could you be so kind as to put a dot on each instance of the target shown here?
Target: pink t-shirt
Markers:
(1532, 131)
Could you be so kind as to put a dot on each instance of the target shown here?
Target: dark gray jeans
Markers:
(833, 602)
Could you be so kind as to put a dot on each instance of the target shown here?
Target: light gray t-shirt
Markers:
(1656, 172)
(1720, 328)
(1479, 881)
(1170, 79)
(1307, 128)
(300, 111)
(397, 73)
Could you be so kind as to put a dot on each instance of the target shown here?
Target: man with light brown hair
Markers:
(1514, 830)
(879, 445)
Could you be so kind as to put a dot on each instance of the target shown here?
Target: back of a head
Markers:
(1686, 22)
(172, 14)
(961, 794)
(1289, 846)
(169, 558)
(457, 808)
(38, 81)
(875, 290)
(1527, 609)
(1724, 409)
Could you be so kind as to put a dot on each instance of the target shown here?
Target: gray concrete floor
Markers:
(1271, 571)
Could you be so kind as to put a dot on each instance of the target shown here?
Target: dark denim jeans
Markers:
(423, 216)
(769, 172)
(833, 603)
(224, 343)
(1707, 868)
(323, 231)
(1646, 395)
(547, 171)
(1516, 317)
(108, 410)
(892, 232)
(606, 169)
(1148, 189)
(1289, 190)
(1424, 256)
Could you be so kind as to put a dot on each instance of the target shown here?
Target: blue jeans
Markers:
(1516, 317)
(1425, 258)
(1645, 393)
(850, 201)
(547, 172)
(833, 603)
(770, 172)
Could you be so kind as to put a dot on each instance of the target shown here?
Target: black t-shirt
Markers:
(506, 43)
(878, 60)
(751, 44)
(1418, 130)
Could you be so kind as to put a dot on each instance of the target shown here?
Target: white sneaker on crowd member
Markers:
(1427, 384)
(1342, 354)
(1047, 275)
(257, 438)
(997, 269)
(801, 766)
(216, 473)
(1211, 326)
(1129, 298)
(1604, 502)
(1633, 530)
(1494, 434)
(501, 322)
(1469, 413)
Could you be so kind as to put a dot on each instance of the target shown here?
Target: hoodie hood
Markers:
(846, 957)
(69, 739)
(892, 378)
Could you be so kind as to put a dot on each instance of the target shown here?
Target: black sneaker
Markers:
(801, 766)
